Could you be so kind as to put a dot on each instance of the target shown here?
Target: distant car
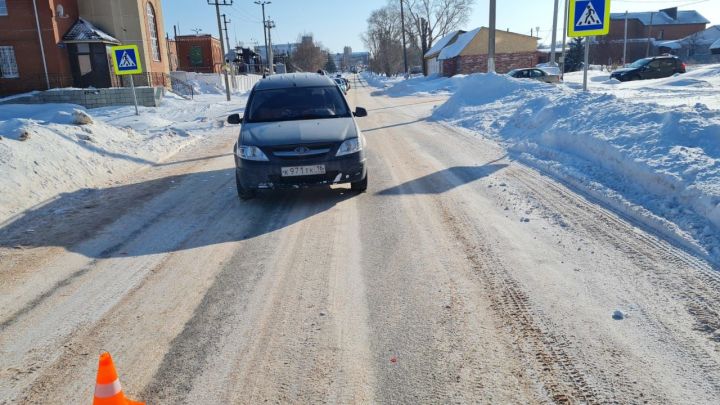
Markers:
(298, 131)
(535, 74)
(341, 84)
(416, 70)
(650, 68)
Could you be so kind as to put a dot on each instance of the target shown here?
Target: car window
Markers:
(297, 103)
(654, 64)
(537, 73)
(640, 63)
(668, 64)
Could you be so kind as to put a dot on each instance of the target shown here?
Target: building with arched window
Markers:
(134, 22)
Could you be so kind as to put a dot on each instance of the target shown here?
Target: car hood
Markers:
(623, 71)
(295, 132)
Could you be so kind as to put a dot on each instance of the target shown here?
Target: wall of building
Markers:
(636, 29)
(19, 30)
(210, 49)
(504, 62)
(146, 96)
(127, 21)
(505, 42)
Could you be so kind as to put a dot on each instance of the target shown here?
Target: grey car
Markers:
(298, 131)
(534, 73)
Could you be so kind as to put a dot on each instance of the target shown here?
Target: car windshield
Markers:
(640, 63)
(297, 103)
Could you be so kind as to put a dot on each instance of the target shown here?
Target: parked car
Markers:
(650, 68)
(298, 131)
(341, 84)
(534, 73)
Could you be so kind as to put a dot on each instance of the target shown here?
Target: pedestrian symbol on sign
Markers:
(589, 17)
(126, 61)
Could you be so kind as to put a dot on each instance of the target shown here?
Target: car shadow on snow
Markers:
(163, 215)
(444, 180)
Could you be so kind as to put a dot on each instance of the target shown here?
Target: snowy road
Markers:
(460, 276)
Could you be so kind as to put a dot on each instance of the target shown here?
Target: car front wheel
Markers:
(243, 193)
(360, 186)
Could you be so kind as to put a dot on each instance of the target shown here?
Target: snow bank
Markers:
(416, 86)
(50, 149)
(656, 163)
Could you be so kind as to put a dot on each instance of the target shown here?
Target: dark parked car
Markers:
(298, 131)
(650, 68)
(534, 73)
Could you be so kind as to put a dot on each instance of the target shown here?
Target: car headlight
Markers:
(251, 153)
(350, 146)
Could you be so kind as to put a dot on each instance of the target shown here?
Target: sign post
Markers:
(588, 18)
(126, 61)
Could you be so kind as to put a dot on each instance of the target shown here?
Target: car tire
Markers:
(243, 193)
(360, 186)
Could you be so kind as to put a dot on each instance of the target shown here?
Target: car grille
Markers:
(328, 178)
(301, 152)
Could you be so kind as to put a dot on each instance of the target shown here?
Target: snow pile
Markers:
(380, 81)
(50, 149)
(655, 163)
(420, 86)
(701, 84)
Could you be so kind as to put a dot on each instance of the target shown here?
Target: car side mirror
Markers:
(360, 112)
(234, 119)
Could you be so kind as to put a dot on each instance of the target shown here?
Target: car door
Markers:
(653, 70)
(667, 67)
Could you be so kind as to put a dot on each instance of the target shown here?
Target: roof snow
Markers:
(662, 18)
(457, 47)
(442, 43)
(715, 45)
(83, 31)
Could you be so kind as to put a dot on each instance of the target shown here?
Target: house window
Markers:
(3, 7)
(152, 23)
(8, 64)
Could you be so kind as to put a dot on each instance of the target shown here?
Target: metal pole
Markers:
(222, 49)
(271, 57)
(565, 24)
(624, 60)
(491, 39)
(402, 18)
(132, 85)
(42, 47)
(647, 49)
(553, 62)
(587, 62)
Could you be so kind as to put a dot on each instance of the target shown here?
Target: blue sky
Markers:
(340, 23)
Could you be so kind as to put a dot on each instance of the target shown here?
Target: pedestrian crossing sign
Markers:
(126, 60)
(588, 18)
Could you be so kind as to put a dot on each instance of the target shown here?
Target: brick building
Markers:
(646, 32)
(199, 53)
(75, 36)
(467, 52)
(21, 66)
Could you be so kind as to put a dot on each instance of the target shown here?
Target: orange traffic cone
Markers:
(107, 388)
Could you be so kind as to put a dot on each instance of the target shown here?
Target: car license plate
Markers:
(302, 170)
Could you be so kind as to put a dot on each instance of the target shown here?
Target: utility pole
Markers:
(267, 50)
(270, 25)
(402, 18)
(553, 61)
(565, 26)
(42, 46)
(227, 38)
(647, 49)
(625, 41)
(217, 4)
(491, 38)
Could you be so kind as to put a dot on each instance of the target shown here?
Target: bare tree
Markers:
(433, 19)
(383, 39)
(309, 55)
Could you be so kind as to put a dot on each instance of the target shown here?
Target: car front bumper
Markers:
(267, 175)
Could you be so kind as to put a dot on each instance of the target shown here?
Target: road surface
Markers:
(460, 276)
